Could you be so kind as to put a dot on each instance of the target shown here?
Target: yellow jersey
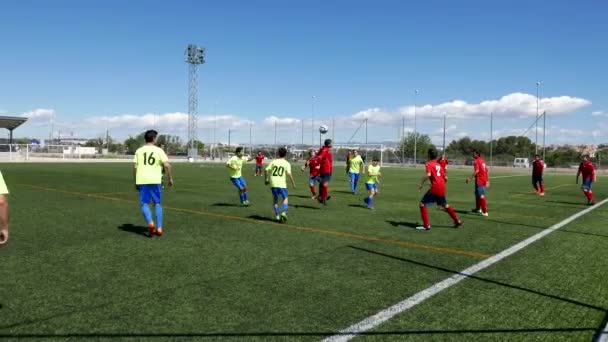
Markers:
(355, 164)
(236, 162)
(149, 160)
(278, 170)
(372, 174)
(3, 188)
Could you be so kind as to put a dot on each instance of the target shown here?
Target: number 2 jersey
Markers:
(149, 160)
(277, 171)
(437, 178)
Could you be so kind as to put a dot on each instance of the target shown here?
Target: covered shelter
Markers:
(10, 123)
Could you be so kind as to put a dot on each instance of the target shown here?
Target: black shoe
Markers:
(458, 225)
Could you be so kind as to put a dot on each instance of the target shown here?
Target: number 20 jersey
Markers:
(149, 160)
(437, 178)
(278, 170)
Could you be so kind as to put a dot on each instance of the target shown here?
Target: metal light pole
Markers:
(312, 120)
(195, 56)
(229, 134)
(544, 131)
(444, 119)
(491, 137)
(415, 127)
(536, 139)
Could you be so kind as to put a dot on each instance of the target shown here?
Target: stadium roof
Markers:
(11, 122)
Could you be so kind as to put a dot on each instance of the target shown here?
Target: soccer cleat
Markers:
(423, 228)
(283, 217)
(476, 211)
(246, 203)
(313, 197)
(590, 202)
(151, 228)
(371, 208)
(541, 194)
(278, 217)
(484, 214)
(458, 224)
(158, 231)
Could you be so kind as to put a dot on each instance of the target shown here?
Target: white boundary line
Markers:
(390, 312)
(603, 337)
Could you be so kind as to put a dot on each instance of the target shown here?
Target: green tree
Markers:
(422, 142)
(133, 143)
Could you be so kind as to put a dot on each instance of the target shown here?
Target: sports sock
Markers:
(241, 197)
(352, 185)
(484, 204)
(370, 203)
(312, 190)
(323, 191)
(245, 196)
(452, 214)
(285, 207)
(542, 187)
(158, 210)
(276, 209)
(535, 186)
(424, 213)
(145, 209)
(477, 203)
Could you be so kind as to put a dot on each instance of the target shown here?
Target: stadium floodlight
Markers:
(415, 127)
(536, 139)
(194, 56)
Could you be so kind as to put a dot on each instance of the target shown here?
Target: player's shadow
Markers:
(361, 206)
(401, 223)
(130, 228)
(571, 203)
(300, 196)
(262, 218)
(225, 205)
(299, 206)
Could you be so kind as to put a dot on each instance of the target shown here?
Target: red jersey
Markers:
(538, 166)
(315, 166)
(481, 177)
(587, 169)
(259, 159)
(326, 160)
(437, 178)
(443, 162)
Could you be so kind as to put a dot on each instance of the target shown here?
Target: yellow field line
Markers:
(279, 225)
(532, 192)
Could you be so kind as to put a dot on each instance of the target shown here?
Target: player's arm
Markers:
(578, 173)
(293, 182)
(424, 178)
(473, 175)
(230, 166)
(266, 174)
(135, 176)
(168, 172)
(3, 219)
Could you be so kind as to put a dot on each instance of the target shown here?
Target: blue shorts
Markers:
(354, 177)
(150, 193)
(314, 179)
(430, 198)
(325, 178)
(587, 184)
(371, 186)
(276, 192)
(537, 179)
(239, 182)
(480, 190)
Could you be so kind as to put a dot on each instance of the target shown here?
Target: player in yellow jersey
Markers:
(355, 167)
(149, 162)
(3, 212)
(373, 174)
(276, 174)
(235, 166)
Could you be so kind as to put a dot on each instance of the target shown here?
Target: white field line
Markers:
(390, 312)
(603, 337)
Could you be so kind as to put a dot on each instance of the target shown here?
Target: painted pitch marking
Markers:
(408, 303)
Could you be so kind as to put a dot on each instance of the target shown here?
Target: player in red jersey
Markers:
(588, 170)
(482, 181)
(436, 194)
(326, 159)
(443, 162)
(259, 164)
(315, 171)
(538, 167)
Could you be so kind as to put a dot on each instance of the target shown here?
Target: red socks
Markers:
(589, 195)
(452, 214)
(312, 190)
(484, 204)
(424, 213)
(477, 203)
(323, 191)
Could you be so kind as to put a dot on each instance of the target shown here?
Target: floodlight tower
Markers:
(195, 55)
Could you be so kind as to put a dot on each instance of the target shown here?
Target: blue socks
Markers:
(285, 207)
(145, 209)
(243, 196)
(276, 209)
(158, 209)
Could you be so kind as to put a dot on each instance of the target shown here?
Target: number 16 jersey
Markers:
(149, 160)
(278, 170)
(437, 178)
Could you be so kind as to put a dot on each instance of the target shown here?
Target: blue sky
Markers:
(92, 64)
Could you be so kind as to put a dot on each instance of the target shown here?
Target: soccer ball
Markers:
(323, 129)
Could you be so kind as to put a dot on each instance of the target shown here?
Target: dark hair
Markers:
(432, 153)
(476, 153)
(327, 142)
(537, 155)
(238, 150)
(150, 135)
(282, 152)
(376, 159)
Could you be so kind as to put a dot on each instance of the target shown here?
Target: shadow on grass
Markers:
(343, 192)
(300, 196)
(286, 334)
(401, 223)
(452, 272)
(130, 228)
(571, 203)
(225, 205)
(299, 206)
(361, 206)
(262, 218)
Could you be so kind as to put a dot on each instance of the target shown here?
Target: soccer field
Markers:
(79, 263)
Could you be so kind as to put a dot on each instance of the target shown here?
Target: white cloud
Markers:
(599, 113)
(515, 104)
(281, 122)
(40, 115)
(175, 121)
